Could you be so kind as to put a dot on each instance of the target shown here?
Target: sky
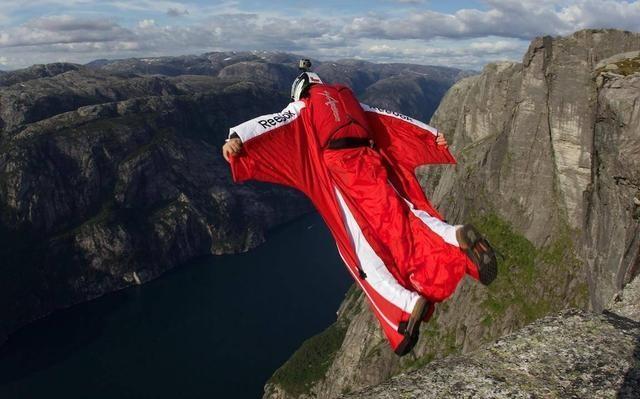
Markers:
(463, 34)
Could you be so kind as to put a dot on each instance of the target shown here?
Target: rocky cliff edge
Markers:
(572, 354)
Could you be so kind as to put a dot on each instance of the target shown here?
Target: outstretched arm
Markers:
(267, 148)
(405, 140)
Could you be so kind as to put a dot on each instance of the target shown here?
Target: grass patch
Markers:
(487, 321)
(521, 269)
(449, 341)
(311, 361)
(516, 271)
(106, 213)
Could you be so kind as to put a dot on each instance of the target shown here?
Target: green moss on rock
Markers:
(522, 266)
(624, 67)
(628, 66)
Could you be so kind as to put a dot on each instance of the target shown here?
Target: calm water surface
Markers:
(216, 328)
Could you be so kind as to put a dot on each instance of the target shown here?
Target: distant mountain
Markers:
(414, 89)
(209, 64)
(9, 78)
(111, 173)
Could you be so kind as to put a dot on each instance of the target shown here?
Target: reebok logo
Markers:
(278, 118)
(394, 113)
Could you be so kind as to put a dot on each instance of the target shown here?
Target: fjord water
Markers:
(218, 327)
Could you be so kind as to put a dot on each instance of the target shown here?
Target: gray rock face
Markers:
(414, 94)
(111, 173)
(546, 168)
(611, 218)
(570, 355)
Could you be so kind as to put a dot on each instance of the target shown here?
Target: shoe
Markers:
(411, 330)
(479, 251)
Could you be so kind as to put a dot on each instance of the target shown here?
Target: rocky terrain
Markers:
(573, 354)
(110, 173)
(548, 169)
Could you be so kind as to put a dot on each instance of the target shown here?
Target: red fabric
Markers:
(419, 259)
(293, 154)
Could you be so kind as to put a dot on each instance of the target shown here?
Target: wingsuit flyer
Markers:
(356, 164)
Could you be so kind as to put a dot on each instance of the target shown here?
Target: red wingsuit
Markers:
(392, 240)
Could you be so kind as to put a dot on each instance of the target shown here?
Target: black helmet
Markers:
(302, 82)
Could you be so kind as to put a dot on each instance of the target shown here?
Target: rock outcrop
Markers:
(546, 168)
(110, 173)
(573, 354)
(611, 200)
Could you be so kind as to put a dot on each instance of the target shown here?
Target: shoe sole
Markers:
(480, 252)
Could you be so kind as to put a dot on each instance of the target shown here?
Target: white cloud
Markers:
(146, 23)
(465, 54)
(4, 61)
(506, 18)
(603, 14)
(495, 47)
(412, 33)
(63, 29)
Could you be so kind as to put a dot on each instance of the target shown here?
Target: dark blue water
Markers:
(216, 328)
